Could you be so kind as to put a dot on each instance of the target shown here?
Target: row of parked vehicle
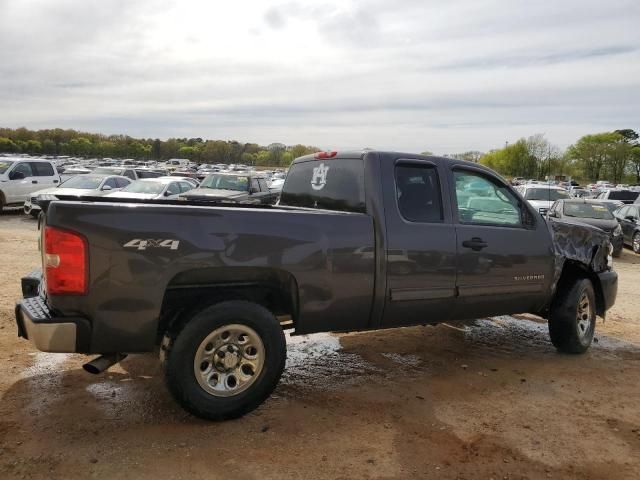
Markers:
(615, 210)
(24, 179)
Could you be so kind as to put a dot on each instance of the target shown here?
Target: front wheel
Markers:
(635, 244)
(572, 321)
(226, 361)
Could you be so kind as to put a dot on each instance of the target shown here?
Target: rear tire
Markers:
(226, 361)
(572, 320)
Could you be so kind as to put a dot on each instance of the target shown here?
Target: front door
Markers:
(420, 250)
(505, 256)
(20, 188)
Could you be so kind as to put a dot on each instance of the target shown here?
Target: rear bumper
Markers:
(48, 332)
(609, 285)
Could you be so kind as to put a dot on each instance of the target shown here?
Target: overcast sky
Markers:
(413, 75)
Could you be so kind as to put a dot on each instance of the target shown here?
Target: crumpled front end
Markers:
(582, 243)
(590, 249)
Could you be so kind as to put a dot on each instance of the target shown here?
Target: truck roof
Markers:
(354, 154)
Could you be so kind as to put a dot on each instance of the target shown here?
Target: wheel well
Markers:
(191, 291)
(571, 271)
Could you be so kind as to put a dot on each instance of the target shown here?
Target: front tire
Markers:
(572, 320)
(635, 243)
(226, 361)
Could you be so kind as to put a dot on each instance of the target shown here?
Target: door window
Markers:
(254, 185)
(111, 182)
(122, 182)
(173, 189)
(185, 186)
(484, 201)
(621, 212)
(263, 185)
(130, 174)
(418, 193)
(42, 169)
(24, 168)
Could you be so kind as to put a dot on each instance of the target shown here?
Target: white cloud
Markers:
(408, 75)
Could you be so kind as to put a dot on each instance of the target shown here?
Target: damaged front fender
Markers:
(581, 243)
(581, 249)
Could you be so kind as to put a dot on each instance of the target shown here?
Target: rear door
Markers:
(504, 250)
(47, 176)
(421, 244)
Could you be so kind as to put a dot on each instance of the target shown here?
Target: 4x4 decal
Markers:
(143, 244)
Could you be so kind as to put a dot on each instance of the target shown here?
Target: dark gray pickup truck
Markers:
(362, 240)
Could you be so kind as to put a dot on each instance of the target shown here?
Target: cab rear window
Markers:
(326, 184)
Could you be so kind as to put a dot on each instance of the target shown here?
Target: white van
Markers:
(21, 176)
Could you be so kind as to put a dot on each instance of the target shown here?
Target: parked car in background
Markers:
(612, 205)
(277, 181)
(233, 188)
(150, 173)
(190, 180)
(78, 186)
(122, 171)
(541, 196)
(153, 189)
(20, 177)
(590, 212)
(629, 218)
(624, 196)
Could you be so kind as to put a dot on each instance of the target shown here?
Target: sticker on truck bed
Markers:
(143, 244)
(319, 177)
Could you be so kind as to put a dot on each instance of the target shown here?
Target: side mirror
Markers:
(167, 193)
(106, 188)
(253, 190)
(630, 218)
(16, 176)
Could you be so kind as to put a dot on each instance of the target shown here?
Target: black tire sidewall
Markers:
(179, 371)
(563, 324)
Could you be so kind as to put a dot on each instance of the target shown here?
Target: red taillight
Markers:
(319, 155)
(65, 262)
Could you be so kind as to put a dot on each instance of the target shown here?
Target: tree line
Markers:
(612, 156)
(59, 141)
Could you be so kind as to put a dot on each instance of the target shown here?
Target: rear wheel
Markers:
(572, 321)
(635, 244)
(226, 361)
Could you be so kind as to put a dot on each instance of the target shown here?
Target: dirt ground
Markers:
(492, 401)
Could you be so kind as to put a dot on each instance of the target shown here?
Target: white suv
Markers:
(21, 176)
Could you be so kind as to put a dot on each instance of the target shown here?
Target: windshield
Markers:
(545, 194)
(86, 182)
(4, 165)
(587, 210)
(226, 182)
(144, 187)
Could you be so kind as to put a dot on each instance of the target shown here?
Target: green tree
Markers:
(7, 145)
(601, 154)
(49, 147)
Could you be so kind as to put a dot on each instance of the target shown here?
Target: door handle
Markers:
(55, 181)
(476, 244)
(34, 181)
